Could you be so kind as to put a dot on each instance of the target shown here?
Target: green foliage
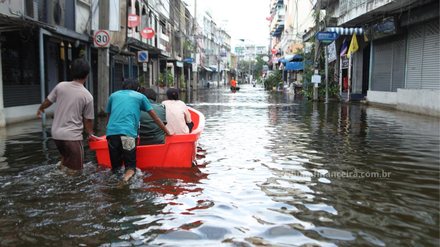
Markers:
(188, 48)
(333, 91)
(166, 78)
(258, 68)
(142, 81)
(182, 83)
(273, 79)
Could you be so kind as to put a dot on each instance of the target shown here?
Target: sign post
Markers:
(316, 79)
(326, 38)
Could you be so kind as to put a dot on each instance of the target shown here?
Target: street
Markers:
(273, 169)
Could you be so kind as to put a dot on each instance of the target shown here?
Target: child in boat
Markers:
(177, 113)
(150, 132)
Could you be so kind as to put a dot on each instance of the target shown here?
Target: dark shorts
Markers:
(122, 152)
(72, 153)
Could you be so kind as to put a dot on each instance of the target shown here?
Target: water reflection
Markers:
(274, 170)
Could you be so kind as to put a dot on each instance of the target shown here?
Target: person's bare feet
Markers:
(128, 174)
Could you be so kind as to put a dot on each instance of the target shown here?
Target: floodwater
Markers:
(272, 171)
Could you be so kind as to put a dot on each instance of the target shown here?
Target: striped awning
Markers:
(345, 30)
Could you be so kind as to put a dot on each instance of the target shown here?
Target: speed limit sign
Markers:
(101, 38)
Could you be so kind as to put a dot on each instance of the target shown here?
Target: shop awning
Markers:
(290, 57)
(213, 68)
(294, 66)
(207, 69)
(345, 30)
(188, 60)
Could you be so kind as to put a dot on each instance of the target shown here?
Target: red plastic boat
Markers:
(178, 150)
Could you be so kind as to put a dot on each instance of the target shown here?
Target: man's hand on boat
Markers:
(94, 138)
(168, 133)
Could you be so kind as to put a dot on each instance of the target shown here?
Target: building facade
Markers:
(146, 40)
(397, 61)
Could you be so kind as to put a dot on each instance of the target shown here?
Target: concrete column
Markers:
(103, 61)
(2, 106)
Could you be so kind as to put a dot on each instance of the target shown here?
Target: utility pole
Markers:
(195, 72)
(181, 18)
(326, 73)
(103, 61)
(218, 60)
(315, 88)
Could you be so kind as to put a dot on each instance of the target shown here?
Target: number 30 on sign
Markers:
(101, 38)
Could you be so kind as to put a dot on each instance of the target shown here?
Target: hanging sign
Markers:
(133, 20)
(147, 33)
(326, 37)
(331, 52)
(344, 62)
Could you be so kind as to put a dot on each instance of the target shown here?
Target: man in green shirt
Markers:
(150, 132)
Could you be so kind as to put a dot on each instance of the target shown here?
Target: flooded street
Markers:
(272, 171)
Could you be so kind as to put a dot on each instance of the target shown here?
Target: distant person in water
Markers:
(73, 114)
(233, 84)
(124, 110)
(150, 132)
(177, 113)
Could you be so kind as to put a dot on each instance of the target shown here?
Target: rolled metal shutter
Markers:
(431, 57)
(357, 72)
(381, 72)
(423, 57)
(398, 66)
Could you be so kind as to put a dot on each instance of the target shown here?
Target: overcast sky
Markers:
(243, 19)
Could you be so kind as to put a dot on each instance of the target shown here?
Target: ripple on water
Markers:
(265, 179)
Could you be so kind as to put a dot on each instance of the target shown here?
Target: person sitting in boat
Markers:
(177, 113)
(233, 84)
(149, 132)
(124, 110)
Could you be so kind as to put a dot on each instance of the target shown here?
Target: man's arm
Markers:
(88, 126)
(159, 122)
(46, 103)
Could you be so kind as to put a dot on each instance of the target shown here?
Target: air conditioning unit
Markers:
(55, 12)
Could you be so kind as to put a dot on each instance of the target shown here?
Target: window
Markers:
(21, 75)
(19, 59)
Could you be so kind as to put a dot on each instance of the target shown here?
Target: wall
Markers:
(425, 102)
(24, 113)
(422, 101)
(381, 97)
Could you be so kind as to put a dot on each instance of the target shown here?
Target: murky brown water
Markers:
(273, 171)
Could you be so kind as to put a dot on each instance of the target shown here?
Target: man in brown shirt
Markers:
(74, 112)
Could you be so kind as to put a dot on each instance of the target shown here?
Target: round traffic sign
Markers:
(133, 20)
(101, 38)
(147, 33)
